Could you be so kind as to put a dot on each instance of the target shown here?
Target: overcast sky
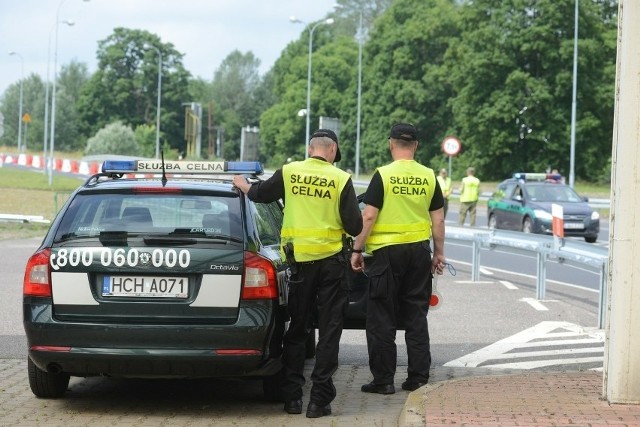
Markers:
(205, 31)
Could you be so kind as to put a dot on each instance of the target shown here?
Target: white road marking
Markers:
(535, 304)
(485, 271)
(510, 352)
(475, 283)
(508, 285)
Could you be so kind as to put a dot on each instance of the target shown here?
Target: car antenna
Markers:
(164, 175)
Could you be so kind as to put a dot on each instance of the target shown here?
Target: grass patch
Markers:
(19, 230)
(27, 192)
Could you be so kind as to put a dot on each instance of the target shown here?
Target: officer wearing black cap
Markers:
(320, 210)
(404, 210)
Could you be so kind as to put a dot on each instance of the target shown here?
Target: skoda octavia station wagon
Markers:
(523, 203)
(147, 275)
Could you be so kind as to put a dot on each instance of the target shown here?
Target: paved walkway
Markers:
(517, 399)
(456, 396)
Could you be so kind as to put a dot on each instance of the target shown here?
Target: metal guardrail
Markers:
(567, 252)
(23, 218)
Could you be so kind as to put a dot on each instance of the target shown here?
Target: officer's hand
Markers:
(241, 182)
(437, 265)
(357, 262)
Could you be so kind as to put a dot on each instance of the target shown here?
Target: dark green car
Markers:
(142, 277)
(523, 203)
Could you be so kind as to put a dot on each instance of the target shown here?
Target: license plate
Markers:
(573, 225)
(145, 286)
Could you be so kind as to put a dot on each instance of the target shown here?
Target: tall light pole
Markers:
(572, 165)
(46, 98)
(360, 40)
(20, 107)
(53, 94)
(148, 46)
(295, 20)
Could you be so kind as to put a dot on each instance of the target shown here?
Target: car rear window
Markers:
(91, 213)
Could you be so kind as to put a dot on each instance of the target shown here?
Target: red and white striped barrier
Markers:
(63, 165)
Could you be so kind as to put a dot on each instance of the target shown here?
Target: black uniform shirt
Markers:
(375, 194)
(273, 189)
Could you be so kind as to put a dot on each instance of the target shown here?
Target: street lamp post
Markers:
(360, 40)
(295, 20)
(572, 162)
(20, 107)
(148, 46)
(46, 98)
(53, 94)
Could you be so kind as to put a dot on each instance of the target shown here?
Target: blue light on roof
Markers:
(245, 167)
(119, 166)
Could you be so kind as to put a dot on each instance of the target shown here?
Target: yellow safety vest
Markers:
(312, 208)
(445, 186)
(404, 217)
(471, 189)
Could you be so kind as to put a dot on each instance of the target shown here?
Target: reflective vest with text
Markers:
(312, 208)
(404, 217)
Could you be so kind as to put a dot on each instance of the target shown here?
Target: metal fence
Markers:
(569, 252)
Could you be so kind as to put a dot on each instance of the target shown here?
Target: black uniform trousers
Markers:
(399, 293)
(321, 288)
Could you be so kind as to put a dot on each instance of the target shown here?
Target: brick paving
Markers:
(524, 399)
(461, 397)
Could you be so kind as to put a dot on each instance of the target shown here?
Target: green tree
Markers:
(71, 80)
(234, 93)
(405, 78)
(128, 73)
(282, 128)
(32, 104)
(145, 136)
(512, 74)
(115, 138)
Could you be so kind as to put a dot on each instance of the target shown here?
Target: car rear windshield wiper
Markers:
(201, 234)
(72, 235)
(177, 241)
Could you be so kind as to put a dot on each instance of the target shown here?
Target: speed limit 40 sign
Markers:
(451, 146)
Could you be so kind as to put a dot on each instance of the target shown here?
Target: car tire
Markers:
(310, 345)
(272, 389)
(590, 239)
(492, 223)
(46, 384)
(527, 226)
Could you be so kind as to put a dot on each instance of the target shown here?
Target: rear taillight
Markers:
(259, 278)
(37, 277)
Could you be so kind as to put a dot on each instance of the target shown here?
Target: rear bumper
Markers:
(249, 347)
(152, 363)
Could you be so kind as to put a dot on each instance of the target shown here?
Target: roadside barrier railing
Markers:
(546, 249)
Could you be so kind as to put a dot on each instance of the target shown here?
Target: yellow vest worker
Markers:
(320, 205)
(469, 195)
(403, 212)
(311, 218)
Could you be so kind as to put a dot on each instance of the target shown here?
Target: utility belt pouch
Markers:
(294, 268)
(347, 247)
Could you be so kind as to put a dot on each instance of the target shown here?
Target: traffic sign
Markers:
(451, 146)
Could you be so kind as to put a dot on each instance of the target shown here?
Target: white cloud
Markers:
(206, 31)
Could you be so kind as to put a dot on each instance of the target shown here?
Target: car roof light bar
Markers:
(535, 176)
(182, 167)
